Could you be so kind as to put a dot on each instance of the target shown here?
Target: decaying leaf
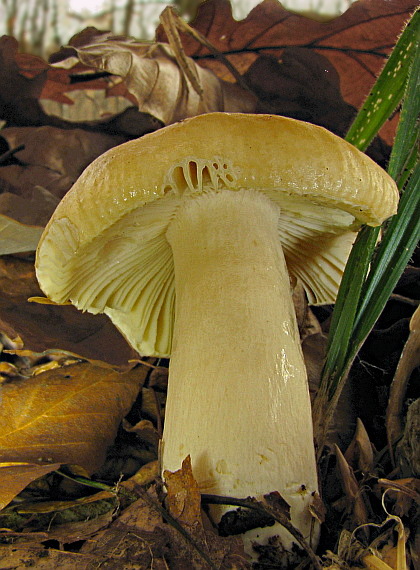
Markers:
(138, 536)
(52, 158)
(359, 453)
(183, 495)
(26, 79)
(67, 415)
(47, 164)
(155, 76)
(144, 476)
(16, 475)
(44, 327)
(37, 556)
(198, 547)
(355, 45)
(19, 92)
(355, 500)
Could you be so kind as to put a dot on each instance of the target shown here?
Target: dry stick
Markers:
(10, 153)
(171, 20)
(261, 509)
(168, 19)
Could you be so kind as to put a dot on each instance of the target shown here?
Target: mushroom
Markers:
(186, 239)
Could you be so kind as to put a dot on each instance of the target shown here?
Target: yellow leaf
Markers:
(65, 415)
(15, 476)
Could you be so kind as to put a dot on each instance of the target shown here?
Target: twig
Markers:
(169, 15)
(263, 510)
(10, 153)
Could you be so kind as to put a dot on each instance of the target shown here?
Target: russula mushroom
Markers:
(186, 239)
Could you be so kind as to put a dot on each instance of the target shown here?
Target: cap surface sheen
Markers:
(105, 247)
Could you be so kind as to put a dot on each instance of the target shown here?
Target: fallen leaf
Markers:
(48, 163)
(39, 507)
(144, 476)
(138, 536)
(154, 75)
(359, 453)
(67, 533)
(19, 93)
(67, 415)
(43, 327)
(405, 493)
(25, 204)
(355, 44)
(16, 556)
(16, 237)
(354, 497)
(25, 79)
(51, 159)
(145, 430)
(16, 475)
(183, 494)
(198, 548)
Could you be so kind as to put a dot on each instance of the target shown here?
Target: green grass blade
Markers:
(363, 294)
(388, 90)
(403, 232)
(394, 253)
(345, 310)
(408, 128)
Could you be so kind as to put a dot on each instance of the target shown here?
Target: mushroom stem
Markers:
(238, 400)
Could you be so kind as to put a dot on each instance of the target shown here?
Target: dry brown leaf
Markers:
(359, 453)
(44, 327)
(154, 75)
(202, 547)
(15, 476)
(48, 162)
(355, 503)
(81, 530)
(35, 555)
(183, 499)
(355, 45)
(31, 185)
(144, 476)
(67, 415)
(52, 158)
(25, 78)
(137, 537)
(19, 92)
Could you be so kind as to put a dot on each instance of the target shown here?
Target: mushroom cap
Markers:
(105, 249)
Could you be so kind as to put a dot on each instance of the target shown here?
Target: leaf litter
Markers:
(273, 61)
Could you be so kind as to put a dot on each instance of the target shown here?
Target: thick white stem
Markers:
(238, 400)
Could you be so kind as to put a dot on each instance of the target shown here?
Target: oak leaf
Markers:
(354, 45)
(67, 415)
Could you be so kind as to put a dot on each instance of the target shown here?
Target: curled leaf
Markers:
(163, 83)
